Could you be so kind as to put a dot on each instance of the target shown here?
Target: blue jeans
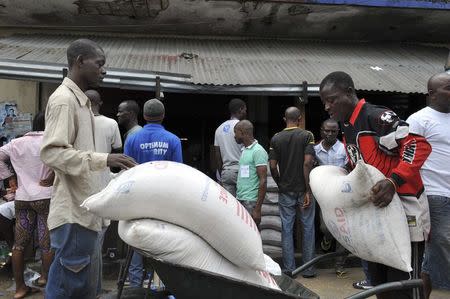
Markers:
(229, 179)
(288, 203)
(436, 262)
(365, 267)
(99, 258)
(72, 275)
(248, 205)
(136, 270)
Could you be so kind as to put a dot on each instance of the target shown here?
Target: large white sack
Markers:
(184, 196)
(177, 245)
(375, 234)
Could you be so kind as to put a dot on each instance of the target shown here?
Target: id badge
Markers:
(245, 171)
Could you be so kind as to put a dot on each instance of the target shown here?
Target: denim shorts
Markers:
(437, 251)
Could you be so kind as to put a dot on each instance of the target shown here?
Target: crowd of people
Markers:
(69, 157)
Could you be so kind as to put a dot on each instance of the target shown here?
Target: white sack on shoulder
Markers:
(375, 234)
(182, 195)
(177, 245)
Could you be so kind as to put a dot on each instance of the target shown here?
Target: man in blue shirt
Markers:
(330, 151)
(151, 143)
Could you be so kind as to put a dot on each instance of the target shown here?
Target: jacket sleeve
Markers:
(395, 139)
(57, 150)
(414, 151)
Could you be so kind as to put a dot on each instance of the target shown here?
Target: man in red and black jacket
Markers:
(376, 135)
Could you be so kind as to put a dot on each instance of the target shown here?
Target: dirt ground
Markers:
(326, 284)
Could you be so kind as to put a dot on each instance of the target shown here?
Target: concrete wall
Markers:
(24, 93)
(45, 91)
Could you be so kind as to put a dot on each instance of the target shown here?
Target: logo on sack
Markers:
(125, 187)
(346, 188)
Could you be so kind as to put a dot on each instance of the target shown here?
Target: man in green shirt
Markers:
(252, 176)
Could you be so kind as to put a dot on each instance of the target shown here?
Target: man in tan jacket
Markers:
(69, 149)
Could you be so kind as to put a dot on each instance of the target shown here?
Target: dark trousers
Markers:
(380, 273)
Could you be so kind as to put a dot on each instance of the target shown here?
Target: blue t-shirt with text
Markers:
(153, 143)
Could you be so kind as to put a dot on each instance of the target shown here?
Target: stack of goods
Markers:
(177, 214)
(270, 226)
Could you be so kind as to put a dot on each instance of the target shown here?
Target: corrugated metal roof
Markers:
(385, 67)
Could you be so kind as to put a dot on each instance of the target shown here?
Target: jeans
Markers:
(365, 266)
(229, 179)
(249, 205)
(288, 203)
(437, 250)
(72, 274)
(340, 261)
(136, 270)
(99, 258)
(380, 274)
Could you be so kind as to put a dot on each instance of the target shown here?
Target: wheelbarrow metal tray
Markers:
(191, 283)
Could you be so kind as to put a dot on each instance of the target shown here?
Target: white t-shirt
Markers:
(435, 127)
(229, 149)
(107, 134)
(107, 137)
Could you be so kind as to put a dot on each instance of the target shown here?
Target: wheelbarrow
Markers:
(185, 282)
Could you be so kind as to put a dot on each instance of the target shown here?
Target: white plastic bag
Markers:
(184, 196)
(177, 245)
(375, 234)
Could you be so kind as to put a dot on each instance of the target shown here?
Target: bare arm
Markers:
(5, 172)
(307, 167)
(218, 158)
(262, 188)
(48, 181)
(274, 170)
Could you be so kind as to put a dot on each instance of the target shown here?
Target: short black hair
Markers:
(235, 105)
(292, 113)
(84, 47)
(154, 108)
(329, 121)
(246, 126)
(339, 79)
(39, 122)
(132, 106)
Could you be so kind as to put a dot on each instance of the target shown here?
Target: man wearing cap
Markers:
(151, 143)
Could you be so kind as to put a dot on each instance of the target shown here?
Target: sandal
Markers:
(39, 283)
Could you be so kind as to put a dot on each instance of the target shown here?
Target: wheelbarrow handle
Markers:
(390, 286)
(317, 259)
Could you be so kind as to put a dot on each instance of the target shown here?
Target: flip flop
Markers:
(30, 291)
(38, 284)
